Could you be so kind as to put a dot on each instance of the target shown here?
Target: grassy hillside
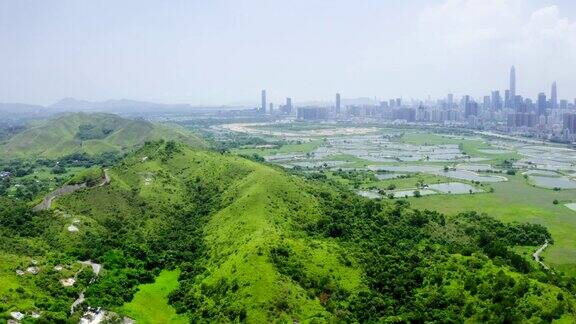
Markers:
(215, 237)
(93, 134)
(255, 208)
(150, 303)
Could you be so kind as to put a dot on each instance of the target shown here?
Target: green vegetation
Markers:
(30, 179)
(36, 240)
(150, 303)
(469, 145)
(304, 147)
(515, 201)
(89, 133)
(91, 176)
(186, 234)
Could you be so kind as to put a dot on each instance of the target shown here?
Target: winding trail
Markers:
(64, 190)
(96, 267)
(106, 179)
(536, 255)
(47, 201)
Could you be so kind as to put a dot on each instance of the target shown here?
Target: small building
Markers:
(68, 282)
(17, 315)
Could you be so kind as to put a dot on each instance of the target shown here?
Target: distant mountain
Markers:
(115, 106)
(91, 133)
(12, 109)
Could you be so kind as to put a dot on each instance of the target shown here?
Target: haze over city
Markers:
(225, 52)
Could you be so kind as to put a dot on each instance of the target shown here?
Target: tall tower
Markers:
(496, 100)
(541, 105)
(512, 87)
(554, 96)
(450, 100)
(289, 105)
(337, 103)
(263, 104)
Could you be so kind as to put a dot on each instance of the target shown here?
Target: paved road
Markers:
(536, 255)
(47, 201)
(64, 190)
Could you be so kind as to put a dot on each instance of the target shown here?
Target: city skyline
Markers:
(221, 52)
(511, 97)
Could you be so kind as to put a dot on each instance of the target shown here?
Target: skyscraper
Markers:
(450, 101)
(496, 100)
(512, 87)
(486, 103)
(263, 103)
(337, 103)
(470, 108)
(554, 96)
(541, 105)
(464, 101)
(289, 105)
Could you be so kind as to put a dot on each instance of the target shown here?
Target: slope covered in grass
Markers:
(254, 243)
(252, 209)
(150, 303)
(92, 133)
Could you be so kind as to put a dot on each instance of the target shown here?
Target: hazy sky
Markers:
(219, 52)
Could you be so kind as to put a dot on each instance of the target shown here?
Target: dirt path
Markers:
(64, 190)
(536, 255)
(106, 179)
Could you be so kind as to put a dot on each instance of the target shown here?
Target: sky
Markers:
(213, 52)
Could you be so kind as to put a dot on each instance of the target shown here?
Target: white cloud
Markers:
(547, 29)
(483, 37)
(469, 22)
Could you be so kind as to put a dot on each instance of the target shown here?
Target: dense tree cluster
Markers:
(422, 265)
(90, 132)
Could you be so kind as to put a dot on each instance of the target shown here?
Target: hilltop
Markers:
(91, 133)
(213, 236)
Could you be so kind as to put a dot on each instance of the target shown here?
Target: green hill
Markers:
(91, 133)
(253, 243)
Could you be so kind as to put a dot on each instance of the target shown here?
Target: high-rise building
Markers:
(569, 121)
(512, 87)
(470, 108)
(496, 100)
(507, 100)
(263, 103)
(486, 103)
(337, 103)
(554, 96)
(289, 105)
(519, 104)
(464, 101)
(271, 107)
(383, 104)
(312, 113)
(563, 104)
(450, 101)
(541, 105)
(398, 102)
